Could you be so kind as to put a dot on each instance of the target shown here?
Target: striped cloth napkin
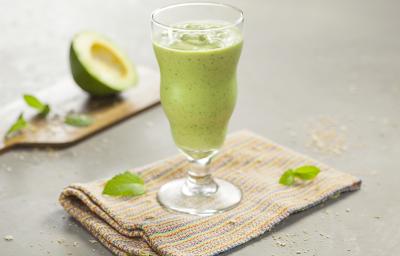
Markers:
(139, 226)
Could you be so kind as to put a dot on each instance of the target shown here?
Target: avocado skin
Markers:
(85, 80)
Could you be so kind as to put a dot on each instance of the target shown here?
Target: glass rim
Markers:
(166, 26)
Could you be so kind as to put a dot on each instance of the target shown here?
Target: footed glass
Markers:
(197, 46)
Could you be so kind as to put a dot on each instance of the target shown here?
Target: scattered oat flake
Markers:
(347, 210)
(92, 241)
(281, 244)
(298, 252)
(327, 136)
(324, 235)
(8, 238)
(75, 244)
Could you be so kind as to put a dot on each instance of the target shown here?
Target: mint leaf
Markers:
(307, 172)
(45, 110)
(17, 126)
(78, 120)
(287, 178)
(33, 102)
(42, 108)
(124, 184)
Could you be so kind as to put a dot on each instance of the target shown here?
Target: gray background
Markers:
(302, 61)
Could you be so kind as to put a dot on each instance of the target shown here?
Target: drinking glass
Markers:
(197, 46)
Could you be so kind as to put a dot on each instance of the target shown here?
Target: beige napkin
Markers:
(139, 226)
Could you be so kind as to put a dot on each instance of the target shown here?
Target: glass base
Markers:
(225, 198)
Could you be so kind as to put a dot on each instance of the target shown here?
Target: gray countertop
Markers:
(307, 66)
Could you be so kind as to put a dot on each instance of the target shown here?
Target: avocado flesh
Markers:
(99, 67)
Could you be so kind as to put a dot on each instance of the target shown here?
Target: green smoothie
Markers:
(198, 83)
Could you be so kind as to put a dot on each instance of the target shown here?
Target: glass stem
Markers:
(199, 180)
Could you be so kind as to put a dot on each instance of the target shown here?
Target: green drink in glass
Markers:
(198, 46)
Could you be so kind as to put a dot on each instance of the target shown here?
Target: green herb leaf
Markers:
(307, 172)
(35, 103)
(78, 120)
(125, 184)
(17, 126)
(287, 178)
(45, 110)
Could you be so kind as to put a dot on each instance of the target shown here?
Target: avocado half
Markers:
(98, 66)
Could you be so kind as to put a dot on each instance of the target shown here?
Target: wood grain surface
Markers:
(65, 97)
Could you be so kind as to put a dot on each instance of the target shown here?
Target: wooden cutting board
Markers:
(66, 96)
